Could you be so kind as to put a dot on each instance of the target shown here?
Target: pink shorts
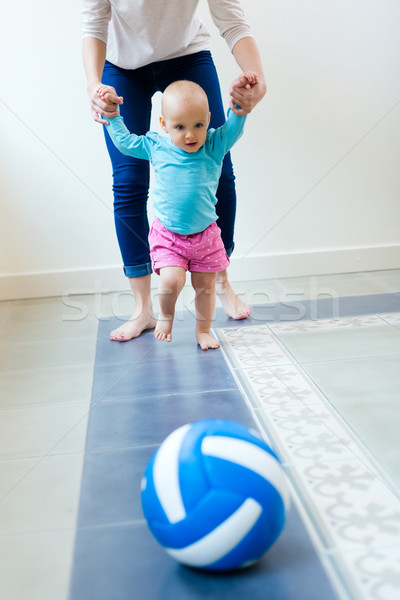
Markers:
(202, 252)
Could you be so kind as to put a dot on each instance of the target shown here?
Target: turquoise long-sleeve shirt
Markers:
(185, 183)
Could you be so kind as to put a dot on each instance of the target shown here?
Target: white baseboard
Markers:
(315, 262)
(247, 268)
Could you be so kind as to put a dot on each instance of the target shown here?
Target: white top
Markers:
(139, 32)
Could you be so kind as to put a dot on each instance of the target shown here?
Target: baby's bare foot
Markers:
(206, 342)
(133, 328)
(163, 330)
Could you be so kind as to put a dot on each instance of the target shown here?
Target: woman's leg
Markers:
(172, 280)
(204, 286)
(130, 187)
(200, 68)
(142, 317)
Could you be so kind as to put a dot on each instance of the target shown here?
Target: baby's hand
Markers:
(244, 93)
(108, 94)
(251, 78)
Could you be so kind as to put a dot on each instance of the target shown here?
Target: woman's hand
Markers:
(246, 92)
(104, 102)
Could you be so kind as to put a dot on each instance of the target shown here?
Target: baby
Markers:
(184, 235)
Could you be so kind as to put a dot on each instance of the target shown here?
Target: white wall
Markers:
(317, 170)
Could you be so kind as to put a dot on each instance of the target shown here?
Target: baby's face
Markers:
(186, 124)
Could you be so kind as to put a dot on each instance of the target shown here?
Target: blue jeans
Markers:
(131, 175)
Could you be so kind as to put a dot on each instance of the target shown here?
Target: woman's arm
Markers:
(247, 56)
(229, 17)
(94, 57)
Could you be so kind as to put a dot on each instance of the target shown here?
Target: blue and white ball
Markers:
(215, 495)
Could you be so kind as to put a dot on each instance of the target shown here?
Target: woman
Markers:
(139, 49)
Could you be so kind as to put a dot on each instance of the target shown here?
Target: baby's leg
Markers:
(204, 286)
(172, 280)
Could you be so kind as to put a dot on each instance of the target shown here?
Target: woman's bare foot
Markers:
(206, 342)
(163, 330)
(233, 306)
(139, 322)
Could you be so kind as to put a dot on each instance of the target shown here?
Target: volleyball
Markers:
(215, 495)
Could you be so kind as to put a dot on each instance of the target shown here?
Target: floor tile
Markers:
(293, 310)
(12, 471)
(355, 305)
(41, 354)
(388, 280)
(115, 562)
(45, 498)
(177, 375)
(22, 331)
(119, 353)
(46, 386)
(277, 386)
(342, 284)
(36, 565)
(371, 573)
(259, 291)
(328, 324)
(344, 344)
(303, 433)
(392, 318)
(111, 486)
(352, 506)
(41, 309)
(254, 347)
(277, 312)
(149, 419)
(365, 393)
(4, 308)
(109, 353)
(75, 439)
(35, 431)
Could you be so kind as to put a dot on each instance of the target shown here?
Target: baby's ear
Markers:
(163, 124)
(209, 118)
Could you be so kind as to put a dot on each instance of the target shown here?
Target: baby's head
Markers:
(185, 115)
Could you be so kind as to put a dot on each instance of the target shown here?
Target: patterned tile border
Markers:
(351, 508)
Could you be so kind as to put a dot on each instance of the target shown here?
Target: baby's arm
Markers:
(223, 138)
(228, 134)
(128, 143)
